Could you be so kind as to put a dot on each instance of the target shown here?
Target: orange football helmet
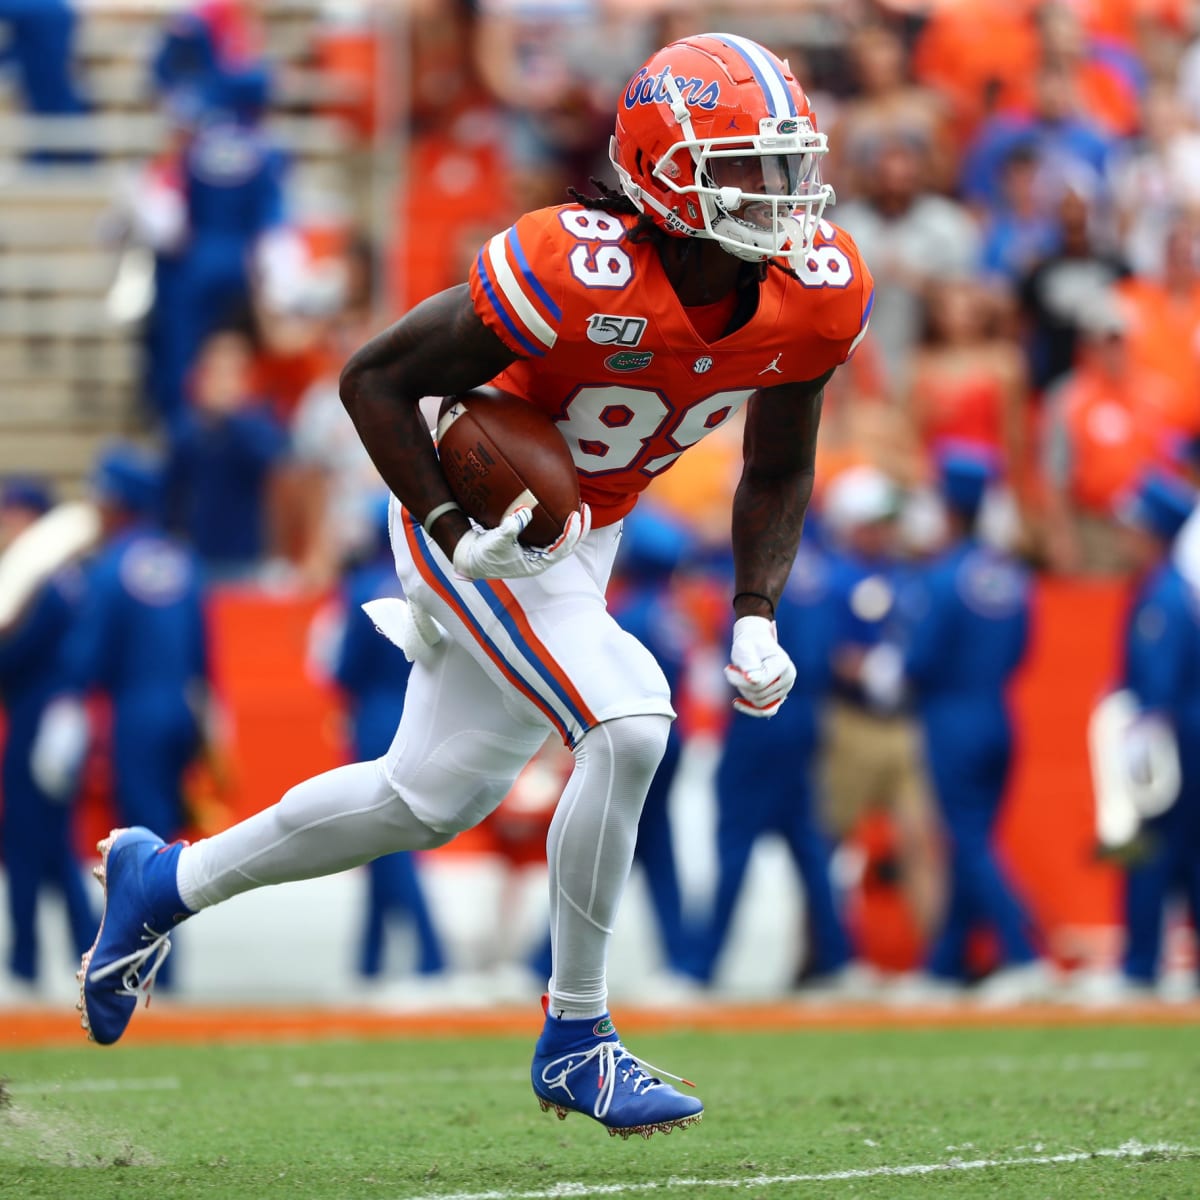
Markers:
(716, 139)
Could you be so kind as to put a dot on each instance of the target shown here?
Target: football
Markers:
(498, 452)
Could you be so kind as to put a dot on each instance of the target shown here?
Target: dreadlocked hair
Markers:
(619, 204)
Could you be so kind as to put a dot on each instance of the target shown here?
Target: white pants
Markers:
(521, 658)
(548, 643)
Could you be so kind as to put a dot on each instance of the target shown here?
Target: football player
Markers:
(640, 319)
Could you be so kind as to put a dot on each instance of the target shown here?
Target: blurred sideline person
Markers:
(918, 236)
(1057, 296)
(40, 44)
(233, 179)
(139, 638)
(965, 620)
(337, 484)
(714, 261)
(552, 70)
(1108, 420)
(765, 784)
(373, 677)
(224, 462)
(871, 758)
(1161, 669)
(37, 826)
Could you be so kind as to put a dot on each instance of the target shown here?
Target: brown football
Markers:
(498, 451)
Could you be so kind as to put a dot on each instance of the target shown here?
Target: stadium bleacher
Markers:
(69, 369)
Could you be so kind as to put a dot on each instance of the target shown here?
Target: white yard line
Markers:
(558, 1191)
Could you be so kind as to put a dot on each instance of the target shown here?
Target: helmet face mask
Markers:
(727, 152)
(760, 198)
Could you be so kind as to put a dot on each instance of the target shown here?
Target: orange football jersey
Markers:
(607, 349)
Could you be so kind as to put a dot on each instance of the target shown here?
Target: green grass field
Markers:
(1027, 1113)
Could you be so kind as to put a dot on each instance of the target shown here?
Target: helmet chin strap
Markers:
(643, 200)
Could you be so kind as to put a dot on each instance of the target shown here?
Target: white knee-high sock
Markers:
(326, 824)
(589, 851)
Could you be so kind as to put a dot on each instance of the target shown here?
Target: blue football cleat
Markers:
(141, 906)
(581, 1066)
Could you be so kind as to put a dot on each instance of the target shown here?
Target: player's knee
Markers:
(445, 813)
(409, 830)
(455, 785)
(635, 743)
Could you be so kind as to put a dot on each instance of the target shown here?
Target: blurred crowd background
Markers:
(205, 207)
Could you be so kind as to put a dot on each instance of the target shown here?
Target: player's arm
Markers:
(772, 496)
(439, 348)
(778, 450)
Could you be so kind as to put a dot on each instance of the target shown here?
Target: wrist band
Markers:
(757, 596)
(440, 511)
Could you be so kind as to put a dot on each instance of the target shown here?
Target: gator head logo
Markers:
(629, 360)
(603, 1028)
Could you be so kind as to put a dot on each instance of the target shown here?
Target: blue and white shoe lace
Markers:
(133, 982)
(613, 1061)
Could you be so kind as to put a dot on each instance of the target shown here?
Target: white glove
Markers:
(59, 748)
(406, 624)
(759, 667)
(496, 553)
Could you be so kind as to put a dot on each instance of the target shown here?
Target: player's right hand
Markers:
(497, 554)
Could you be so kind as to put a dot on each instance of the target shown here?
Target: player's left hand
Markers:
(759, 667)
(498, 554)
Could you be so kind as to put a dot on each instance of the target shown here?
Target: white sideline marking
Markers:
(351, 1079)
(1009, 1063)
(1131, 1149)
(168, 1083)
(446, 1075)
(162, 1083)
